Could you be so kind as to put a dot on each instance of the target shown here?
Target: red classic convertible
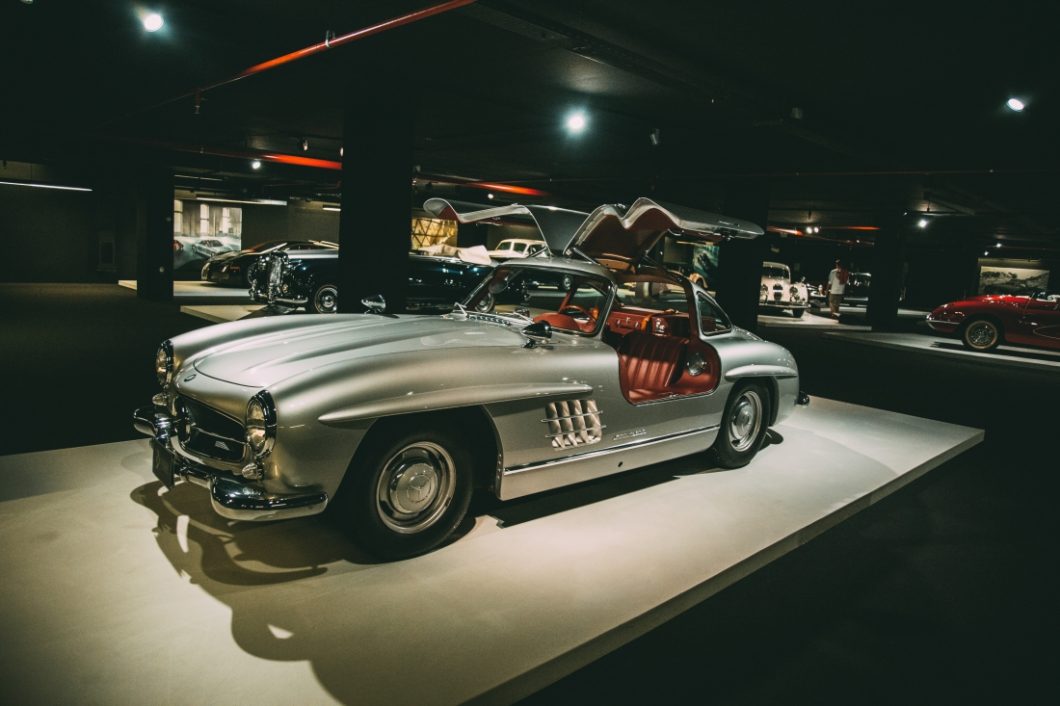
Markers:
(984, 322)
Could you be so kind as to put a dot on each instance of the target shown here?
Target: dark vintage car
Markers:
(983, 323)
(230, 269)
(857, 289)
(308, 279)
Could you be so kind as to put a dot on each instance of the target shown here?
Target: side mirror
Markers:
(541, 332)
(374, 304)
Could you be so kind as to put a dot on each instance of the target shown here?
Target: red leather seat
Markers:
(649, 365)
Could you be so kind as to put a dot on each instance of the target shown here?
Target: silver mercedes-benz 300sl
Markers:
(555, 370)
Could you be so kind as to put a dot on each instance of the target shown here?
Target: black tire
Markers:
(325, 300)
(981, 334)
(737, 442)
(797, 313)
(425, 499)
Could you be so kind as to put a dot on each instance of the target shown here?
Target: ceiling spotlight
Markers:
(985, 253)
(152, 21)
(305, 145)
(655, 137)
(255, 164)
(490, 197)
(922, 223)
(577, 122)
(1015, 105)
(342, 151)
(997, 245)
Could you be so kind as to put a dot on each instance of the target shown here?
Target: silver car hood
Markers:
(265, 359)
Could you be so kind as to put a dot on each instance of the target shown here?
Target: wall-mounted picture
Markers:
(201, 231)
(705, 264)
(1004, 279)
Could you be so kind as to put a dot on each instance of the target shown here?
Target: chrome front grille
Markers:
(207, 432)
(573, 423)
(275, 271)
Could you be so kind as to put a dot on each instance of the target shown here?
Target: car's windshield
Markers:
(569, 301)
(774, 272)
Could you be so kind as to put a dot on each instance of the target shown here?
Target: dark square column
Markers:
(885, 290)
(375, 225)
(740, 261)
(154, 234)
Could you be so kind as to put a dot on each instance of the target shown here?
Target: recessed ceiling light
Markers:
(985, 253)
(256, 164)
(997, 245)
(305, 145)
(152, 21)
(1015, 105)
(922, 223)
(577, 122)
(490, 196)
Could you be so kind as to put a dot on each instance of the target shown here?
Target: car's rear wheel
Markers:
(743, 425)
(325, 299)
(981, 335)
(410, 491)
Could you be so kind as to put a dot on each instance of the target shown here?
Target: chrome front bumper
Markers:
(259, 296)
(230, 497)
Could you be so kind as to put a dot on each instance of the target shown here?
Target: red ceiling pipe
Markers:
(353, 36)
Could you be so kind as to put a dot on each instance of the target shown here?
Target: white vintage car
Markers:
(779, 293)
(553, 371)
(517, 248)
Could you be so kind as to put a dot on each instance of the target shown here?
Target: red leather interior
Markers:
(652, 367)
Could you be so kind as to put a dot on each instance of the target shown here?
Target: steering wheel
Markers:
(576, 312)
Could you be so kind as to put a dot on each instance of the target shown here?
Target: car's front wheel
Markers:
(410, 491)
(743, 425)
(981, 335)
(797, 313)
(325, 299)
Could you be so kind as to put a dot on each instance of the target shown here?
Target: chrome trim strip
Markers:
(575, 432)
(604, 452)
(539, 477)
(574, 416)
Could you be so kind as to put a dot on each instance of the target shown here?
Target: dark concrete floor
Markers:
(77, 359)
(944, 592)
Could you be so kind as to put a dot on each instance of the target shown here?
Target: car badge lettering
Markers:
(630, 434)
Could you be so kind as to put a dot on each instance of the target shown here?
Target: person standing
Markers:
(837, 285)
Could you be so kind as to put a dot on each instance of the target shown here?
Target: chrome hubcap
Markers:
(415, 487)
(327, 300)
(745, 420)
(981, 334)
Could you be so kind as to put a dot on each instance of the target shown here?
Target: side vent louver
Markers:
(573, 423)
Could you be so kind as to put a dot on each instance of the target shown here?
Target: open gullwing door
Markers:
(556, 225)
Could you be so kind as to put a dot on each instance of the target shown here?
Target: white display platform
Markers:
(199, 290)
(220, 313)
(852, 318)
(115, 591)
(1004, 356)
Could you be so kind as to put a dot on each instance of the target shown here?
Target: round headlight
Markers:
(261, 424)
(164, 363)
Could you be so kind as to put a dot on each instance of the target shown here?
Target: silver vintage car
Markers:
(555, 370)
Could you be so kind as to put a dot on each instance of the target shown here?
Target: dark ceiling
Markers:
(849, 111)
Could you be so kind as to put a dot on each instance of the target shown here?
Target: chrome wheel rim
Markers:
(415, 488)
(326, 300)
(745, 420)
(981, 334)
